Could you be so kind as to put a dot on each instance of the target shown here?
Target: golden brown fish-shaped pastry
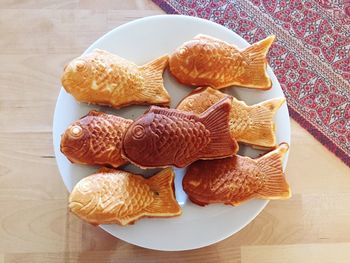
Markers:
(118, 197)
(107, 79)
(237, 179)
(207, 61)
(252, 125)
(95, 139)
(164, 137)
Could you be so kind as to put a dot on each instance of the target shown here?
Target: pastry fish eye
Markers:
(85, 186)
(79, 65)
(76, 131)
(182, 51)
(138, 132)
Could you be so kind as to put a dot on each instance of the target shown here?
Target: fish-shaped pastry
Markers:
(252, 125)
(95, 139)
(117, 197)
(164, 137)
(237, 179)
(107, 79)
(207, 61)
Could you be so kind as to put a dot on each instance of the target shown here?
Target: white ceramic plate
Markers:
(141, 41)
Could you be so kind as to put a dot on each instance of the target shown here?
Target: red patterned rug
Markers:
(311, 57)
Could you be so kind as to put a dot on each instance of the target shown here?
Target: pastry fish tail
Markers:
(275, 185)
(164, 204)
(153, 90)
(216, 120)
(255, 75)
(262, 128)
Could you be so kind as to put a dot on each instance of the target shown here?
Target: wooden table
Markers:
(37, 39)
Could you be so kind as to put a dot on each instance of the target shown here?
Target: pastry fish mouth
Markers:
(89, 204)
(77, 151)
(75, 205)
(68, 148)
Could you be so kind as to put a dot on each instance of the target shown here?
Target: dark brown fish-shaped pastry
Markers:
(95, 139)
(164, 137)
(237, 179)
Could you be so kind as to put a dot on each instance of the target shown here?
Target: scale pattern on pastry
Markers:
(252, 125)
(237, 179)
(107, 79)
(95, 139)
(115, 196)
(207, 61)
(164, 137)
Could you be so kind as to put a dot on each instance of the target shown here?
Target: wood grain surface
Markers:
(37, 38)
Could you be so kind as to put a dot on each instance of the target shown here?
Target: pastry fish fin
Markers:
(199, 90)
(211, 39)
(92, 113)
(164, 204)
(106, 170)
(255, 75)
(274, 183)
(167, 112)
(216, 120)
(273, 104)
(262, 128)
(206, 37)
(153, 91)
